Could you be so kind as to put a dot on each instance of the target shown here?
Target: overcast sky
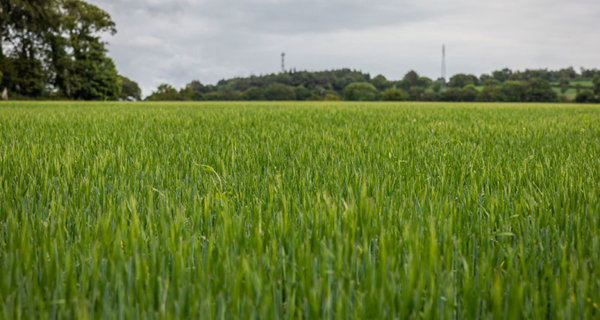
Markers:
(176, 41)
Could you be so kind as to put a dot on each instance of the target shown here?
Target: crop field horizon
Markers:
(299, 210)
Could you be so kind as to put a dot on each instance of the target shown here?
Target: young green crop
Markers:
(299, 210)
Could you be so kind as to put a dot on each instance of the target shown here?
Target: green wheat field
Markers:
(299, 210)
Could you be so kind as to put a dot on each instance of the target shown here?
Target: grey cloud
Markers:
(176, 41)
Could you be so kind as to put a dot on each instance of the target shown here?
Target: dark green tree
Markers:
(437, 85)
(585, 96)
(164, 92)
(197, 96)
(411, 79)
(415, 93)
(424, 82)
(228, 94)
(279, 91)
(461, 80)
(564, 84)
(430, 96)
(514, 91)
(23, 25)
(185, 93)
(491, 93)
(92, 75)
(540, 90)
(596, 83)
(394, 94)
(469, 93)
(502, 75)
(302, 93)
(254, 93)
(489, 82)
(196, 85)
(452, 94)
(360, 91)
(56, 43)
(381, 83)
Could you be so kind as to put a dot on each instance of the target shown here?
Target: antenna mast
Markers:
(283, 62)
(443, 66)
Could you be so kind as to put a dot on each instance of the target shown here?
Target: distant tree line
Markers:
(52, 49)
(503, 85)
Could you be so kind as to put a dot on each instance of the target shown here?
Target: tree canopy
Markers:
(53, 47)
(360, 91)
(516, 86)
(130, 90)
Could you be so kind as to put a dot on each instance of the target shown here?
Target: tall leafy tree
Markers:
(91, 74)
(130, 90)
(22, 28)
(56, 44)
(411, 78)
(461, 80)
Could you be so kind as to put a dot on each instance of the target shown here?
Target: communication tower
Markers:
(443, 66)
(283, 62)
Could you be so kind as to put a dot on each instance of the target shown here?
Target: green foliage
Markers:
(394, 95)
(331, 97)
(491, 93)
(430, 96)
(164, 92)
(381, 83)
(415, 93)
(540, 90)
(56, 44)
(596, 83)
(197, 96)
(94, 79)
(130, 90)
(254, 93)
(24, 76)
(197, 86)
(487, 80)
(585, 96)
(452, 94)
(411, 79)
(424, 82)
(185, 94)
(502, 75)
(360, 91)
(469, 93)
(437, 85)
(299, 211)
(564, 84)
(278, 91)
(302, 93)
(316, 85)
(461, 80)
(514, 91)
(335, 80)
(227, 94)
(490, 82)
